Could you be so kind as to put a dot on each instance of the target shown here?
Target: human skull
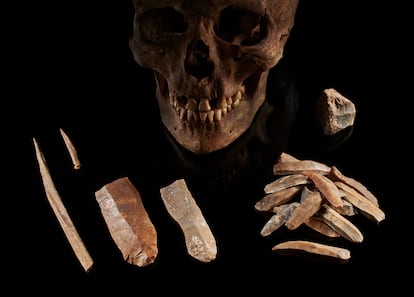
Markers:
(211, 60)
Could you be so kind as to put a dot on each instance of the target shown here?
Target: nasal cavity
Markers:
(197, 62)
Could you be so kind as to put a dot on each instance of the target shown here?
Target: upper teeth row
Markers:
(201, 110)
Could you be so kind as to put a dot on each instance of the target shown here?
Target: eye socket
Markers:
(241, 27)
(159, 24)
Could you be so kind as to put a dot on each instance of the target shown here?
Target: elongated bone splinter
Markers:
(61, 213)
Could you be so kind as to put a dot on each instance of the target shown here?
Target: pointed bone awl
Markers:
(128, 221)
(61, 212)
(182, 207)
(71, 149)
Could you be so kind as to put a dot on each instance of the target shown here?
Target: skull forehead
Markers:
(212, 7)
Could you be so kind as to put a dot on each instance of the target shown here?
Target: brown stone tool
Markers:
(128, 221)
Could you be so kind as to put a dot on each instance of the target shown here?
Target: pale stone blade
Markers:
(321, 227)
(182, 207)
(340, 224)
(365, 206)
(269, 201)
(285, 157)
(314, 248)
(306, 209)
(300, 167)
(282, 214)
(328, 189)
(337, 175)
(286, 181)
(128, 221)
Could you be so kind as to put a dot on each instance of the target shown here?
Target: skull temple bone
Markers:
(211, 60)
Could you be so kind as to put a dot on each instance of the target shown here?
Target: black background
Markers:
(71, 68)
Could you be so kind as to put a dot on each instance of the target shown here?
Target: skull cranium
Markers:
(211, 60)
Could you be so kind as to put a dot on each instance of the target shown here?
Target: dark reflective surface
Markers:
(84, 80)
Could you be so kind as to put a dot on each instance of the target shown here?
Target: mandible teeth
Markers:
(201, 111)
(229, 103)
(217, 112)
(203, 116)
(204, 105)
(210, 115)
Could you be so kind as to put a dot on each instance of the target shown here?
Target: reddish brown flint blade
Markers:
(128, 221)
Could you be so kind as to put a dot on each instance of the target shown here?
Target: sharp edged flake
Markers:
(314, 248)
(339, 198)
(182, 207)
(128, 221)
